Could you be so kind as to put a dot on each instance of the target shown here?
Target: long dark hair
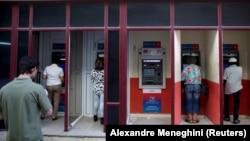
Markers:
(55, 59)
(99, 64)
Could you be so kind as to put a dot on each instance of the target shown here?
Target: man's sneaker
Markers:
(226, 118)
(236, 121)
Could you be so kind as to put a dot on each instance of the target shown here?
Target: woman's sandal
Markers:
(189, 120)
(196, 121)
(54, 118)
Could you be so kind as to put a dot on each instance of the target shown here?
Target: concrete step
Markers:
(61, 138)
(71, 138)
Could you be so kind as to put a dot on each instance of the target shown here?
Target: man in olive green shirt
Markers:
(22, 101)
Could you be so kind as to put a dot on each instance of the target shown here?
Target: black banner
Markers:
(178, 132)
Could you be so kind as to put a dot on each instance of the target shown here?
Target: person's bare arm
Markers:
(1, 116)
(62, 78)
(48, 112)
(44, 76)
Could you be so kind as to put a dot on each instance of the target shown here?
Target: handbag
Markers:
(204, 89)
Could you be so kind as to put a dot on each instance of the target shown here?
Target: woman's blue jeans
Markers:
(99, 104)
(192, 92)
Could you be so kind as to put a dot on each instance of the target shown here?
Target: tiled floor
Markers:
(161, 119)
(149, 119)
(203, 120)
(244, 120)
(86, 129)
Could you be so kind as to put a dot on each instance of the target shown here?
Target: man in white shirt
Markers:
(232, 84)
(55, 77)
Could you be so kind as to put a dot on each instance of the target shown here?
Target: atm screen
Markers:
(62, 66)
(225, 65)
(148, 72)
(152, 60)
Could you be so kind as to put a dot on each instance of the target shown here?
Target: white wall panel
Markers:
(177, 59)
(211, 56)
(135, 42)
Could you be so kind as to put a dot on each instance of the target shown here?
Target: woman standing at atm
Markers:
(97, 78)
(191, 77)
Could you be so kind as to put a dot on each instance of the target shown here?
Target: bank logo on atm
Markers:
(190, 46)
(151, 44)
(230, 47)
(151, 103)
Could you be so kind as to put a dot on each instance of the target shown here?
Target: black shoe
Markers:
(95, 118)
(102, 120)
(236, 121)
(42, 117)
(226, 118)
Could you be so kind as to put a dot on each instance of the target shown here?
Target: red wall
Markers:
(177, 103)
(210, 104)
(212, 110)
(136, 97)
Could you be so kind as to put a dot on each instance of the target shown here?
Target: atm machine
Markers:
(152, 76)
(188, 50)
(151, 68)
(230, 50)
(62, 57)
(100, 50)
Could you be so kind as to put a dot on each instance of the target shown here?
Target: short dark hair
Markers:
(26, 63)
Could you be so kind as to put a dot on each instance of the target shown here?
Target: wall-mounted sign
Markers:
(189, 47)
(231, 47)
(152, 103)
(151, 44)
(100, 46)
(58, 46)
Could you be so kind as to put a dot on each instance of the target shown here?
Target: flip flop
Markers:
(54, 118)
(188, 120)
(196, 121)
